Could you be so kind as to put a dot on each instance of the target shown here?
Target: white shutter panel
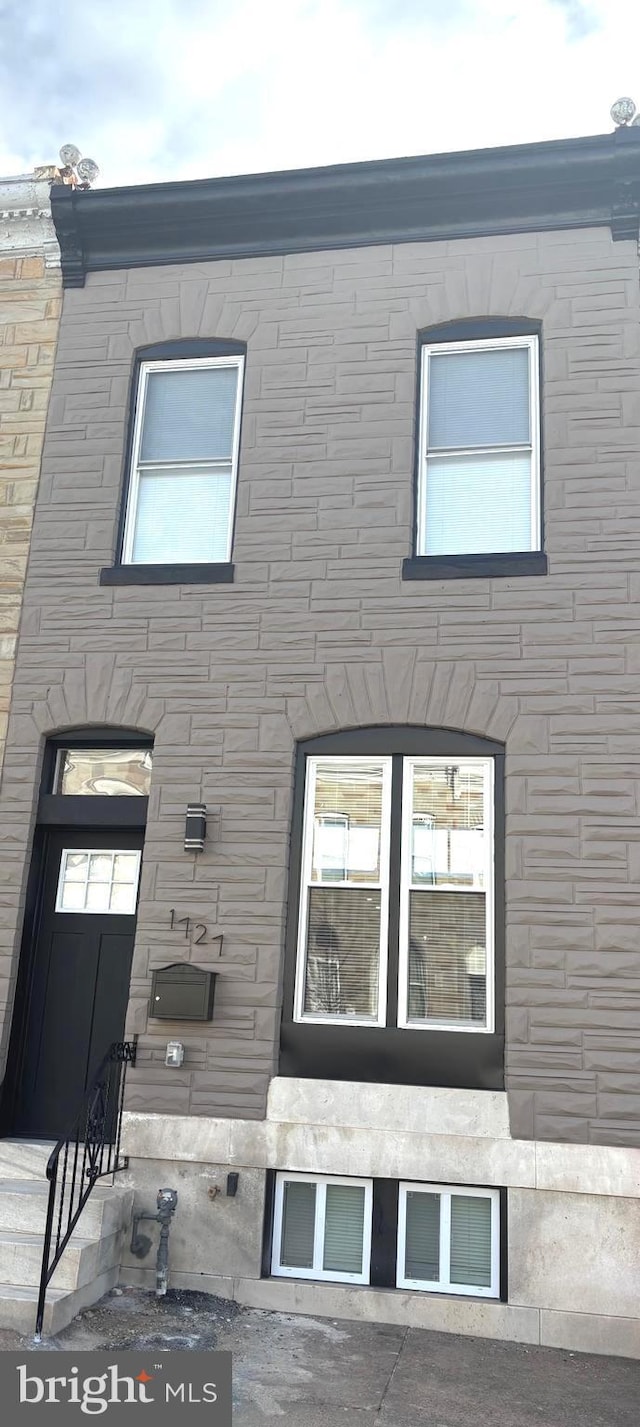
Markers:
(422, 1244)
(298, 1224)
(471, 1240)
(343, 1229)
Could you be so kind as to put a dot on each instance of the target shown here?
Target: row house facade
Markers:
(336, 546)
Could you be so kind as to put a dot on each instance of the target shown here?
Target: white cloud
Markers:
(160, 89)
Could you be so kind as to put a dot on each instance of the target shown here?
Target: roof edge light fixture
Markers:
(195, 828)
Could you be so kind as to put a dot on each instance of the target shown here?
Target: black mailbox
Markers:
(182, 993)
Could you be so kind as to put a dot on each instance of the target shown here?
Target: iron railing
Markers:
(90, 1151)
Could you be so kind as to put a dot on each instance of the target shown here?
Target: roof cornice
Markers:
(567, 183)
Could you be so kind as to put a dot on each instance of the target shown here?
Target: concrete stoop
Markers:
(89, 1266)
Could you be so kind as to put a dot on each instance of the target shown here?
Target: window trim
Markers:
(431, 344)
(145, 367)
(308, 825)
(320, 1274)
(444, 1285)
(409, 763)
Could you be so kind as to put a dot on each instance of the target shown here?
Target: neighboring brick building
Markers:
(30, 301)
(423, 594)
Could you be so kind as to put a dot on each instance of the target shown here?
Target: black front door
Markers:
(80, 972)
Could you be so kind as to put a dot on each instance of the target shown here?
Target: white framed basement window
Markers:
(344, 892)
(449, 1239)
(322, 1228)
(479, 447)
(182, 483)
(446, 974)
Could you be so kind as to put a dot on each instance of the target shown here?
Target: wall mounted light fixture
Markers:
(195, 828)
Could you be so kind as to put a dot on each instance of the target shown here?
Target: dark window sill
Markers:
(167, 574)
(474, 567)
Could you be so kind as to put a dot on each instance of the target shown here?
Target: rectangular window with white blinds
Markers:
(433, 859)
(446, 907)
(344, 901)
(479, 458)
(181, 495)
(322, 1228)
(449, 1239)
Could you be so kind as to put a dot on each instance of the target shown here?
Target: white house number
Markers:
(196, 932)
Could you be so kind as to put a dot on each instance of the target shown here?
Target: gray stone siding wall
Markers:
(318, 632)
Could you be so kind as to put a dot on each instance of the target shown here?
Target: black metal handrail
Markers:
(90, 1151)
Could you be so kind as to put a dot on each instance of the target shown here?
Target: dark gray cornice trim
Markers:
(568, 183)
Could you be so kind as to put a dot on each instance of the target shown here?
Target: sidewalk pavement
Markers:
(313, 1372)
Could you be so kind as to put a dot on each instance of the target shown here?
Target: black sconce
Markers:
(195, 828)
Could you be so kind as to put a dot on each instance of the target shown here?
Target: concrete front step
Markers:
(24, 1159)
(89, 1266)
(18, 1305)
(83, 1260)
(23, 1208)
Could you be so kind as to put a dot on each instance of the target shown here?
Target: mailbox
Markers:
(182, 993)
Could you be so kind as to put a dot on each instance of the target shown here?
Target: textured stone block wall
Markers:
(319, 632)
(30, 302)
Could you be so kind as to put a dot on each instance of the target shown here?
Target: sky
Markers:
(174, 89)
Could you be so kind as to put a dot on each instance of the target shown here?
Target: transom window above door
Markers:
(396, 922)
(182, 479)
(103, 772)
(98, 880)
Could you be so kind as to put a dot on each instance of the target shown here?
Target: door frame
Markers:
(62, 813)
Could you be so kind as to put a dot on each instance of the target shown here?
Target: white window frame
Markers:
(317, 1272)
(406, 887)
(381, 887)
(443, 1284)
(136, 466)
(488, 345)
(88, 852)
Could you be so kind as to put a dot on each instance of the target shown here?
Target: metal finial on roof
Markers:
(622, 112)
(76, 171)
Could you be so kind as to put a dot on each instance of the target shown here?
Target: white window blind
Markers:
(446, 921)
(182, 487)
(322, 1228)
(343, 912)
(449, 1239)
(479, 474)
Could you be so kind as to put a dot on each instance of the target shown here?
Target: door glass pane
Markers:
(98, 897)
(477, 505)
(344, 1228)
(76, 870)
(123, 898)
(343, 952)
(189, 415)
(298, 1224)
(125, 867)
(72, 897)
(87, 883)
(100, 867)
(422, 1246)
(104, 771)
(479, 398)
(471, 1240)
(182, 516)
